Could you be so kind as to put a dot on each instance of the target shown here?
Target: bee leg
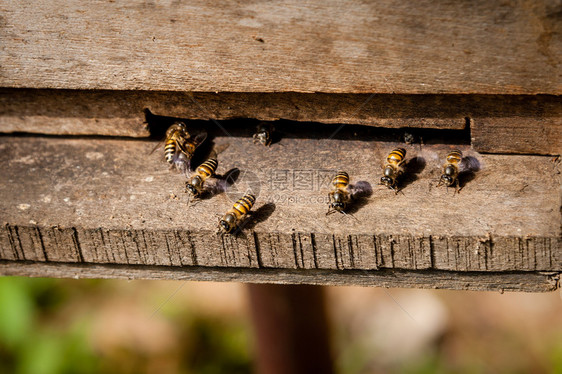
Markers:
(457, 186)
(396, 190)
(350, 215)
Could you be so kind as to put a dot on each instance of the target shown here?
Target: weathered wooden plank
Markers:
(518, 135)
(498, 123)
(107, 201)
(433, 279)
(344, 47)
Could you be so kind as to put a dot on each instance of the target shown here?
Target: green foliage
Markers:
(29, 344)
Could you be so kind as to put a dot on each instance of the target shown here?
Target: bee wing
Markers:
(217, 186)
(181, 162)
(199, 138)
(158, 145)
(469, 164)
(360, 189)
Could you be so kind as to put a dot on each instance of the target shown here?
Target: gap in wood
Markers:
(245, 127)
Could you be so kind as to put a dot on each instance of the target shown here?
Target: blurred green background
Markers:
(52, 326)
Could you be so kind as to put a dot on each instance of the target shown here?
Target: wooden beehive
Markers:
(82, 196)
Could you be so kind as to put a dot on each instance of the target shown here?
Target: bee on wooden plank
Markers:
(455, 165)
(231, 221)
(196, 183)
(451, 170)
(393, 169)
(343, 193)
(179, 146)
(264, 134)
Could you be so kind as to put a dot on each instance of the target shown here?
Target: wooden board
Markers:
(478, 281)
(101, 201)
(541, 135)
(513, 47)
(497, 123)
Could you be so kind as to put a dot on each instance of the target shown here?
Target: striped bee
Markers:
(264, 134)
(196, 183)
(393, 168)
(180, 146)
(231, 220)
(343, 192)
(451, 170)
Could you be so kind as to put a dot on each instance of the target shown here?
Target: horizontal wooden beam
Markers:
(104, 201)
(335, 46)
(475, 281)
(497, 123)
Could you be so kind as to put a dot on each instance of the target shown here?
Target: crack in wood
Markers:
(76, 242)
(295, 250)
(314, 250)
(42, 244)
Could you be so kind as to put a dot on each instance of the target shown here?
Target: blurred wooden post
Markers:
(291, 330)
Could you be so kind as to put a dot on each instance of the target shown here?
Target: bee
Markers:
(393, 168)
(231, 220)
(451, 170)
(196, 183)
(179, 146)
(264, 134)
(343, 192)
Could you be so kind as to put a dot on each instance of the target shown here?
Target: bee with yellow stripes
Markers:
(196, 184)
(393, 168)
(343, 192)
(179, 146)
(208, 169)
(451, 170)
(231, 220)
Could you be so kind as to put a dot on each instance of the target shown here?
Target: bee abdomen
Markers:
(170, 150)
(454, 157)
(209, 167)
(340, 180)
(396, 156)
(244, 204)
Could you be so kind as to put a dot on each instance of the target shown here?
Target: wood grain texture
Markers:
(519, 124)
(517, 135)
(101, 201)
(513, 47)
(433, 279)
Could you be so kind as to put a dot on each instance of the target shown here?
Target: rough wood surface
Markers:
(478, 281)
(518, 135)
(498, 123)
(111, 202)
(512, 47)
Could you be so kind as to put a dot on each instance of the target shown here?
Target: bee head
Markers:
(194, 186)
(227, 223)
(339, 206)
(387, 181)
(261, 137)
(447, 180)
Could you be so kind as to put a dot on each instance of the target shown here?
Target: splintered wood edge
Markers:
(432, 279)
